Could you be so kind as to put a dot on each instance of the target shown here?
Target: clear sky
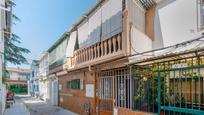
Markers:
(44, 21)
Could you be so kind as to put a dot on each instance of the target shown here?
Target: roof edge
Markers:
(62, 38)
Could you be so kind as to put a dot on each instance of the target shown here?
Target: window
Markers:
(73, 84)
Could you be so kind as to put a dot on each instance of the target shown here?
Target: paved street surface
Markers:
(26, 105)
(18, 108)
(38, 107)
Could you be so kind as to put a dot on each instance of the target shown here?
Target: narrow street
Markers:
(18, 108)
(26, 105)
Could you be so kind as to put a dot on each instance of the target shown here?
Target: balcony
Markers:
(103, 51)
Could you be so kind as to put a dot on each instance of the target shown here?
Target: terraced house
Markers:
(33, 82)
(132, 57)
(100, 43)
(43, 76)
(57, 58)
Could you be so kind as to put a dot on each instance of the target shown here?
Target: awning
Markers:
(183, 50)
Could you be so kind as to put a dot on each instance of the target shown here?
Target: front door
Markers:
(113, 90)
(105, 94)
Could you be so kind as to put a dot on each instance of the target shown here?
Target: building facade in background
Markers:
(5, 30)
(18, 79)
(33, 82)
(57, 58)
(43, 76)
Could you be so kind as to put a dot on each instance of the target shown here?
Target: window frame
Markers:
(74, 84)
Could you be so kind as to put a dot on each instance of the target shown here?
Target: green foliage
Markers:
(146, 79)
(18, 89)
(13, 52)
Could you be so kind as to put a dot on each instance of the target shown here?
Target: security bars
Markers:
(114, 89)
(170, 87)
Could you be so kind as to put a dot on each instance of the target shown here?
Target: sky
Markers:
(44, 21)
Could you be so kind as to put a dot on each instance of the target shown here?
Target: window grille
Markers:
(73, 84)
(122, 88)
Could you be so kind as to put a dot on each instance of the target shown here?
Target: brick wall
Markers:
(74, 100)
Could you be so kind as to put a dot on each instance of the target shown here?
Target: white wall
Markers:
(175, 22)
(43, 72)
(139, 41)
(3, 98)
(2, 25)
(2, 86)
(18, 76)
(54, 92)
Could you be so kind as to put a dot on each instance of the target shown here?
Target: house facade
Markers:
(33, 81)
(43, 75)
(98, 78)
(56, 60)
(168, 78)
(107, 45)
(17, 80)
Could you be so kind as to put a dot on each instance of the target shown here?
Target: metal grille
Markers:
(180, 85)
(122, 88)
(105, 87)
(171, 87)
(147, 3)
(144, 90)
(114, 89)
(106, 91)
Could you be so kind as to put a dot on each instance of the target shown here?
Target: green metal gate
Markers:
(174, 86)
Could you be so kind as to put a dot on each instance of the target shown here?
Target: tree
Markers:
(14, 53)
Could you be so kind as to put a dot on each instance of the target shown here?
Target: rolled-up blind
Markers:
(104, 22)
(89, 31)
(111, 18)
(95, 27)
(83, 34)
(71, 44)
